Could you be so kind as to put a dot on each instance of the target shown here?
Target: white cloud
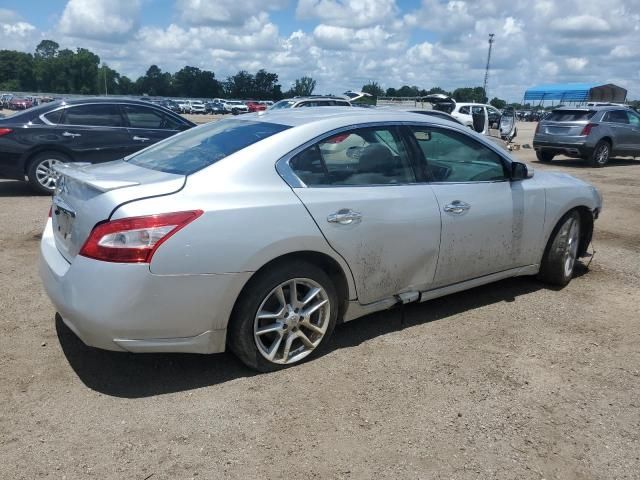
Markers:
(347, 13)
(580, 24)
(16, 34)
(111, 20)
(576, 64)
(225, 12)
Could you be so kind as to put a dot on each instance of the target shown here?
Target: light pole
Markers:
(486, 73)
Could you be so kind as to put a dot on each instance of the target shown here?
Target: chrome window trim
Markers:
(289, 176)
(119, 103)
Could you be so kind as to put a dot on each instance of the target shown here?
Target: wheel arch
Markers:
(586, 229)
(31, 154)
(328, 264)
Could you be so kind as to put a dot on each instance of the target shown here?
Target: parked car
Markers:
(5, 98)
(465, 112)
(169, 104)
(234, 106)
(214, 107)
(82, 130)
(18, 103)
(314, 101)
(255, 106)
(592, 133)
(196, 107)
(252, 232)
(183, 106)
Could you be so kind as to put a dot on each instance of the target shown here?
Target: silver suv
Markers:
(593, 133)
(313, 101)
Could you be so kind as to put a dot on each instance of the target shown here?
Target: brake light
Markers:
(5, 131)
(587, 129)
(50, 208)
(338, 138)
(134, 239)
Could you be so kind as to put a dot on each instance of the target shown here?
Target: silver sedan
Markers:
(260, 233)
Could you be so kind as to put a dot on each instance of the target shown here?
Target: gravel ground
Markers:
(511, 381)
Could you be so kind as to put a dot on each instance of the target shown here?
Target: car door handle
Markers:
(457, 207)
(72, 135)
(344, 216)
(140, 139)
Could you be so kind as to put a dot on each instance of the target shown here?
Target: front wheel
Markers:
(41, 174)
(283, 316)
(562, 251)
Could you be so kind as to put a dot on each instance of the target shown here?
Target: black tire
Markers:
(235, 111)
(554, 269)
(544, 157)
(600, 156)
(36, 175)
(240, 333)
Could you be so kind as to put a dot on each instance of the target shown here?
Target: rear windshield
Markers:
(570, 115)
(196, 149)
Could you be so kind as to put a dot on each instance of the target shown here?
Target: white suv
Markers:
(463, 112)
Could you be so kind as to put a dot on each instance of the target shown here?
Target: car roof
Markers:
(597, 108)
(341, 116)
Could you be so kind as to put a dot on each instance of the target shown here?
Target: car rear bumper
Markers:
(124, 307)
(566, 148)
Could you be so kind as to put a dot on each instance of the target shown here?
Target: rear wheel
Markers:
(543, 156)
(284, 315)
(562, 251)
(41, 174)
(600, 156)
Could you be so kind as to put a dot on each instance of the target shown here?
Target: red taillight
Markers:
(587, 129)
(5, 131)
(134, 239)
(50, 208)
(338, 138)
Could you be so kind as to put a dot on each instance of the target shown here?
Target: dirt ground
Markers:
(510, 381)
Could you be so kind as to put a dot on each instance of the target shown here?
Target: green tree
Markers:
(373, 88)
(47, 49)
(240, 85)
(266, 86)
(407, 91)
(303, 87)
(16, 70)
(155, 82)
(498, 102)
(391, 92)
(468, 94)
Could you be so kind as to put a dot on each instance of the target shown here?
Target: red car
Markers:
(20, 104)
(255, 106)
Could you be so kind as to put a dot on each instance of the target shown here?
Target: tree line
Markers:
(53, 70)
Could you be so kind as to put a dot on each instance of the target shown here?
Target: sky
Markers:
(344, 44)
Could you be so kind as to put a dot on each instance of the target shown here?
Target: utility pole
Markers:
(486, 74)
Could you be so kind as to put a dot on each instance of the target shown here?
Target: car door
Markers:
(94, 132)
(147, 125)
(485, 228)
(634, 138)
(369, 206)
(622, 131)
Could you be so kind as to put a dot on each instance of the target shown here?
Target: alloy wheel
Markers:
(45, 174)
(602, 155)
(570, 234)
(292, 321)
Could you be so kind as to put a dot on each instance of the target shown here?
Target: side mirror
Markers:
(519, 171)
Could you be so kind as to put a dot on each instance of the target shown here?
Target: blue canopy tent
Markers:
(576, 92)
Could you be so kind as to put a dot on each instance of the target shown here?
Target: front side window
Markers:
(196, 149)
(634, 119)
(455, 157)
(364, 156)
(143, 117)
(96, 115)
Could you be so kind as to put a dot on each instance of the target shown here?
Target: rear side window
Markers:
(366, 156)
(55, 117)
(617, 116)
(465, 110)
(96, 115)
(570, 115)
(196, 149)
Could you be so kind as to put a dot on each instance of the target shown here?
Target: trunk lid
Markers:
(566, 122)
(86, 195)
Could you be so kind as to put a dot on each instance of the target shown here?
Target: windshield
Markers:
(283, 104)
(200, 147)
